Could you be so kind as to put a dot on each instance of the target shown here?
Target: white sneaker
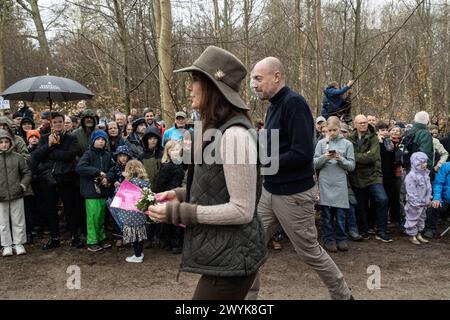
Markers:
(20, 250)
(7, 251)
(135, 259)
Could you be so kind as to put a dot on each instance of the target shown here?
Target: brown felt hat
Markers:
(225, 71)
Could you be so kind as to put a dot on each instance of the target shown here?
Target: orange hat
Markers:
(31, 133)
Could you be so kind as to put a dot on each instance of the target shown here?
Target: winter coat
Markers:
(441, 185)
(59, 160)
(417, 182)
(332, 173)
(368, 160)
(82, 134)
(26, 112)
(113, 145)
(387, 152)
(135, 145)
(91, 164)
(423, 142)
(173, 134)
(151, 159)
(446, 142)
(440, 155)
(332, 100)
(15, 175)
(20, 146)
(170, 176)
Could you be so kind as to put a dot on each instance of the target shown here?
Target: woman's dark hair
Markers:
(215, 109)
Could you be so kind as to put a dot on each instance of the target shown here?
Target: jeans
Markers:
(333, 219)
(350, 219)
(381, 202)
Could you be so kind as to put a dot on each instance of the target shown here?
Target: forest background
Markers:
(125, 50)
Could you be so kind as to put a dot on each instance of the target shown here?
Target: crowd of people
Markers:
(370, 178)
(380, 174)
(71, 167)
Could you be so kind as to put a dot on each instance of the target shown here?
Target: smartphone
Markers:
(332, 151)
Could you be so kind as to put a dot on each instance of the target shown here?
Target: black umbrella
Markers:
(47, 88)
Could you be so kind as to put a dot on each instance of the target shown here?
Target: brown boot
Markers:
(331, 247)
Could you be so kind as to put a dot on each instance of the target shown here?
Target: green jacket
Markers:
(368, 160)
(82, 134)
(15, 176)
(423, 142)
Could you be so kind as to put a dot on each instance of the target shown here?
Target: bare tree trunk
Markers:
(165, 60)
(319, 43)
(248, 7)
(217, 32)
(123, 36)
(299, 37)
(356, 40)
(447, 57)
(32, 7)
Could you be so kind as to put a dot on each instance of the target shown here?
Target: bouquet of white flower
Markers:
(147, 199)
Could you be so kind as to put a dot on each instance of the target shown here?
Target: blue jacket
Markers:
(91, 164)
(173, 134)
(441, 185)
(333, 97)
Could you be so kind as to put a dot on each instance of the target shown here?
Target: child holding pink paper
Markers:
(134, 222)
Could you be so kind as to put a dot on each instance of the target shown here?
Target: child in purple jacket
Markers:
(418, 197)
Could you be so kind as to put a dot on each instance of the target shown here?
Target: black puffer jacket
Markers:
(92, 163)
(59, 159)
(170, 177)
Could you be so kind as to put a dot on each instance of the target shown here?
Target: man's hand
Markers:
(52, 140)
(350, 83)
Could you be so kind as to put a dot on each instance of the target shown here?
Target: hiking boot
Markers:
(94, 248)
(383, 236)
(342, 246)
(414, 240)
(365, 236)
(51, 244)
(20, 250)
(421, 239)
(331, 247)
(354, 236)
(429, 234)
(276, 245)
(77, 243)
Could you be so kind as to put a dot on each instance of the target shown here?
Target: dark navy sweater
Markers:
(290, 113)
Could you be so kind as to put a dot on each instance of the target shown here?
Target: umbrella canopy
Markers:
(47, 88)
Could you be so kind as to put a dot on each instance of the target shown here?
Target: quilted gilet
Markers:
(221, 250)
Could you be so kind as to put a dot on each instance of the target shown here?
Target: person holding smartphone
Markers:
(333, 158)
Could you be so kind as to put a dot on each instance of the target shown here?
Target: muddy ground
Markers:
(407, 272)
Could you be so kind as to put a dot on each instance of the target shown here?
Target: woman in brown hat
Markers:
(224, 240)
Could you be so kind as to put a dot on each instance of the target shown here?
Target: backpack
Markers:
(404, 149)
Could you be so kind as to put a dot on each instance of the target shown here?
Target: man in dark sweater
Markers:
(288, 195)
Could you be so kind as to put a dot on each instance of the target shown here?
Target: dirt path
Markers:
(407, 272)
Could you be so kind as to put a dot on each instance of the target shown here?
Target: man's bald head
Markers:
(361, 124)
(268, 77)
